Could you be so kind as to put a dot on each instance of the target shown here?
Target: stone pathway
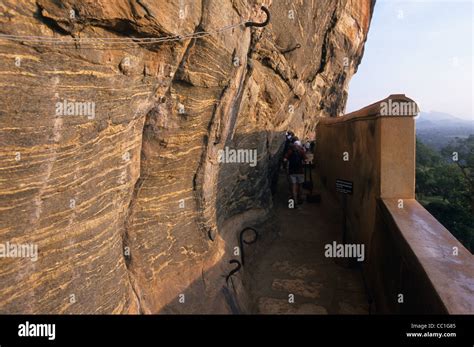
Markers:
(289, 263)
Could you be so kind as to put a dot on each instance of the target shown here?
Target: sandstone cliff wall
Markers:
(130, 208)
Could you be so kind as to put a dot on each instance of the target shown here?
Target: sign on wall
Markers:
(343, 186)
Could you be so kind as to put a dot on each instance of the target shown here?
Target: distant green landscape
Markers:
(444, 185)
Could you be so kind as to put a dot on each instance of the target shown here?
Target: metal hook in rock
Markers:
(298, 46)
(242, 241)
(260, 25)
(236, 269)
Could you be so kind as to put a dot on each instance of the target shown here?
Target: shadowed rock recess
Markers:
(130, 207)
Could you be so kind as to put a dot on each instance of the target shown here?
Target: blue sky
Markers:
(422, 49)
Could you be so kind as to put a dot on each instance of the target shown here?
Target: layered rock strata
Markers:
(122, 188)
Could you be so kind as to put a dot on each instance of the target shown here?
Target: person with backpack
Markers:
(295, 156)
(288, 141)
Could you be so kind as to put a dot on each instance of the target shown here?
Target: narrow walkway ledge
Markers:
(433, 256)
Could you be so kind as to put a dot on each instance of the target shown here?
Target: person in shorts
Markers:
(296, 156)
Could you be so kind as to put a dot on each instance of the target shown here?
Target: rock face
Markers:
(109, 152)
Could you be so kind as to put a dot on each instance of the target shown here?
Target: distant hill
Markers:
(437, 129)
